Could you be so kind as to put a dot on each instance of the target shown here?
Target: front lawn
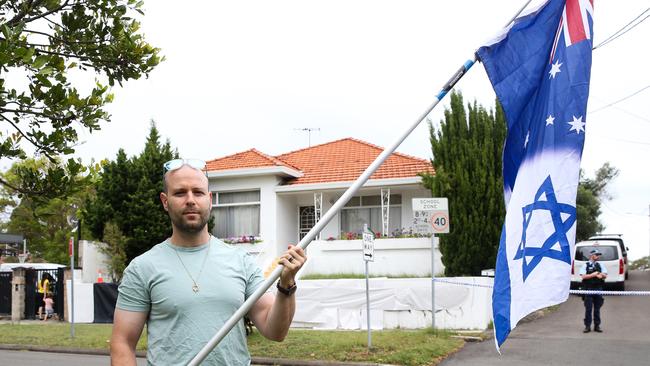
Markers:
(398, 347)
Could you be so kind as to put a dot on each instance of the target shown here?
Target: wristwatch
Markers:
(287, 291)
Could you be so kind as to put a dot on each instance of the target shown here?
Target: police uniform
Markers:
(593, 302)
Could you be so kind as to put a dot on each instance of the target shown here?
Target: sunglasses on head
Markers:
(177, 163)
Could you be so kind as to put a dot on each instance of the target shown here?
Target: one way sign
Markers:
(368, 241)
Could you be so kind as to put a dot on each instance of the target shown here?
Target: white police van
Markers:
(612, 257)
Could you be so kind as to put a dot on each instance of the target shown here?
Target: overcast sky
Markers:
(249, 74)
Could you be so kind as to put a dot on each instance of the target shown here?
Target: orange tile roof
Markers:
(344, 160)
(337, 161)
(247, 159)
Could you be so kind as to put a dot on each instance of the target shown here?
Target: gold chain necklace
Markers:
(195, 286)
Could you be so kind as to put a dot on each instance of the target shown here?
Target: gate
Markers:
(58, 293)
(5, 292)
(30, 293)
(33, 301)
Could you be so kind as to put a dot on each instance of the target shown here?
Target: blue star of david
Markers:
(558, 236)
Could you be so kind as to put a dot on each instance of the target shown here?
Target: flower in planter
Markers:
(244, 239)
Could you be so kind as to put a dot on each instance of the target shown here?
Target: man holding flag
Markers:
(540, 68)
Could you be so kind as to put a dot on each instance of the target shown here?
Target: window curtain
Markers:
(352, 219)
(239, 197)
(236, 221)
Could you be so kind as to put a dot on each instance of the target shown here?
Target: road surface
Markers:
(557, 338)
(28, 358)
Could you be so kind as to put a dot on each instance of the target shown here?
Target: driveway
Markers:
(557, 338)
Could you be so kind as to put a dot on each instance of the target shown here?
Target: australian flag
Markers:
(539, 68)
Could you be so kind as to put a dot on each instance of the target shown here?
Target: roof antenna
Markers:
(308, 130)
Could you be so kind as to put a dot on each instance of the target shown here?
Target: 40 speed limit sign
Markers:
(440, 222)
(431, 215)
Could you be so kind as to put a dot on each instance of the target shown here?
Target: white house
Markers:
(277, 199)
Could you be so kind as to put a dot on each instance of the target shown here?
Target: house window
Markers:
(307, 220)
(367, 210)
(236, 214)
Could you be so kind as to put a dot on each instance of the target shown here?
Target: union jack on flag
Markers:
(574, 24)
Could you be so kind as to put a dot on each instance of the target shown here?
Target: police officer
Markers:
(593, 277)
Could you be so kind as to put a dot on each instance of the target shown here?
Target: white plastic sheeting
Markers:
(393, 257)
(93, 262)
(84, 303)
(403, 303)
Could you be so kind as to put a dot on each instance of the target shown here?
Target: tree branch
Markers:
(29, 6)
(99, 41)
(22, 105)
(17, 189)
(83, 58)
(16, 111)
(48, 13)
(53, 22)
(31, 141)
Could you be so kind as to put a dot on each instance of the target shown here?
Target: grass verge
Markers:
(95, 336)
(398, 347)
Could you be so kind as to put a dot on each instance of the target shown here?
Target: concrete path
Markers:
(557, 338)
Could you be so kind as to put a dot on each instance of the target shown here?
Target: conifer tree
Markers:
(128, 195)
(467, 147)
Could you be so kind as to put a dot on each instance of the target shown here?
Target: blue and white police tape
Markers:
(574, 292)
(441, 280)
(610, 293)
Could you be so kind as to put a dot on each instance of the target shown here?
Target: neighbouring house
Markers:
(276, 200)
(11, 244)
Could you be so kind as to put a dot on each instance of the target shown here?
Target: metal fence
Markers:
(5, 292)
(34, 298)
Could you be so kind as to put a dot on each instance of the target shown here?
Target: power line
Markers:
(632, 114)
(622, 31)
(620, 100)
(622, 140)
(640, 213)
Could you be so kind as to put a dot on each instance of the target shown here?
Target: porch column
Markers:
(318, 209)
(385, 210)
(18, 295)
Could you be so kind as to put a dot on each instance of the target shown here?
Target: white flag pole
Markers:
(336, 207)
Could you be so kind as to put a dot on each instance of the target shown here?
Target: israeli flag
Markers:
(540, 68)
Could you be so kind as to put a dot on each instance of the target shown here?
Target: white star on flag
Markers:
(555, 68)
(577, 125)
(549, 120)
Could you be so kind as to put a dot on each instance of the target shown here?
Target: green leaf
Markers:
(46, 71)
(43, 80)
(6, 31)
(40, 61)
(28, 56)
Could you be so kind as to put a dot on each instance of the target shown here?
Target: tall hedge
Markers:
(467, 153)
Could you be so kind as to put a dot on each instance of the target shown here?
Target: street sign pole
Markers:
(431, 216)
(368, 243)
(71, 251)
(368, 308)
(433, 282)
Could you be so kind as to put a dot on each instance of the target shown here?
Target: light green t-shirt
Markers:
(180, 321)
